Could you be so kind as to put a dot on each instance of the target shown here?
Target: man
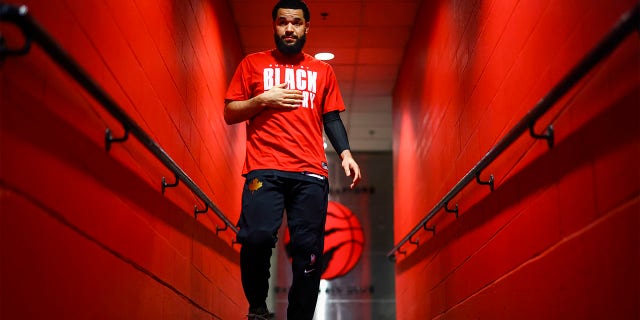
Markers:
(286, 97)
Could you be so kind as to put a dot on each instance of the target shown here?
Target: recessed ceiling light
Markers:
(324, 56)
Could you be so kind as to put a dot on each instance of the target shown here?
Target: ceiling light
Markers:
(324, 56)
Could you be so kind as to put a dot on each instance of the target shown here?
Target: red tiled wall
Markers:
(85, 233)
(558, 238)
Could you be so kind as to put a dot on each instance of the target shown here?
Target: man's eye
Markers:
(296, 23)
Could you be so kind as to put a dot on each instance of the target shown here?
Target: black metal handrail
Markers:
(625, 26)
(36, 33)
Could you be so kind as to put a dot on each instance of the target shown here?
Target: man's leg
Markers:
(254, 269)
(306, 215)
(261, 217)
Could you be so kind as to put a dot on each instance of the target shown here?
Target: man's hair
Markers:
(291, 4)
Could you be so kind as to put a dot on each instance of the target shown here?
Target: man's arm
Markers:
(276, 97)
(238, 111)
(337, 134)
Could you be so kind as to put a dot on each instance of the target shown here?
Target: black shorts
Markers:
(267, 194)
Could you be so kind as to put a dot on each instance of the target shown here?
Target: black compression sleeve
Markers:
(334, 128)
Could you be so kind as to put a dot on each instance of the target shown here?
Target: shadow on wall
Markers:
(571, 153)
(86, 155)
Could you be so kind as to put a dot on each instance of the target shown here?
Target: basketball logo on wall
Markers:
(343, 241)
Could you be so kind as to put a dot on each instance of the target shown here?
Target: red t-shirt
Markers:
(287, 140)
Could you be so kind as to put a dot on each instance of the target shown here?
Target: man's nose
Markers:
(289, 27)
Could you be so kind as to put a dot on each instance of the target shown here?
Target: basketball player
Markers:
(286, 97)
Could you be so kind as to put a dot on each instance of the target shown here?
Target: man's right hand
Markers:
(277, 97)
(281, 97)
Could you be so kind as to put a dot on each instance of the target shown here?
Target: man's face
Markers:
(289, 30)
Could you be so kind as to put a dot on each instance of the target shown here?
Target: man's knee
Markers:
(260, 239)
(305, 244)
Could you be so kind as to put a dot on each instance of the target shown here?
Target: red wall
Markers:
(85, 233)
(559, 236)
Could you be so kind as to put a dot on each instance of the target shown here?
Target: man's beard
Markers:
(290, 49)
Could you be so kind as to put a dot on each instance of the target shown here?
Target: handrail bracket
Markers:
(109, 139)
(454, 211)
(169, 185)
(485, 183)
(9, 13)
(547, 135)
(430, 229)
(196, 212)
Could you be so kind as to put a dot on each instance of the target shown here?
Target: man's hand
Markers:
(276, 97)
(280, 97)
(350, 167)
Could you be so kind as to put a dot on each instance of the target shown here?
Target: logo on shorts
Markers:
(254, 185)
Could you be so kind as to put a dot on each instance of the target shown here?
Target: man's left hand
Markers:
(350, 167)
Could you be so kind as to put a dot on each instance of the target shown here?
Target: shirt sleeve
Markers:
(333, 99)
(238, 89)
